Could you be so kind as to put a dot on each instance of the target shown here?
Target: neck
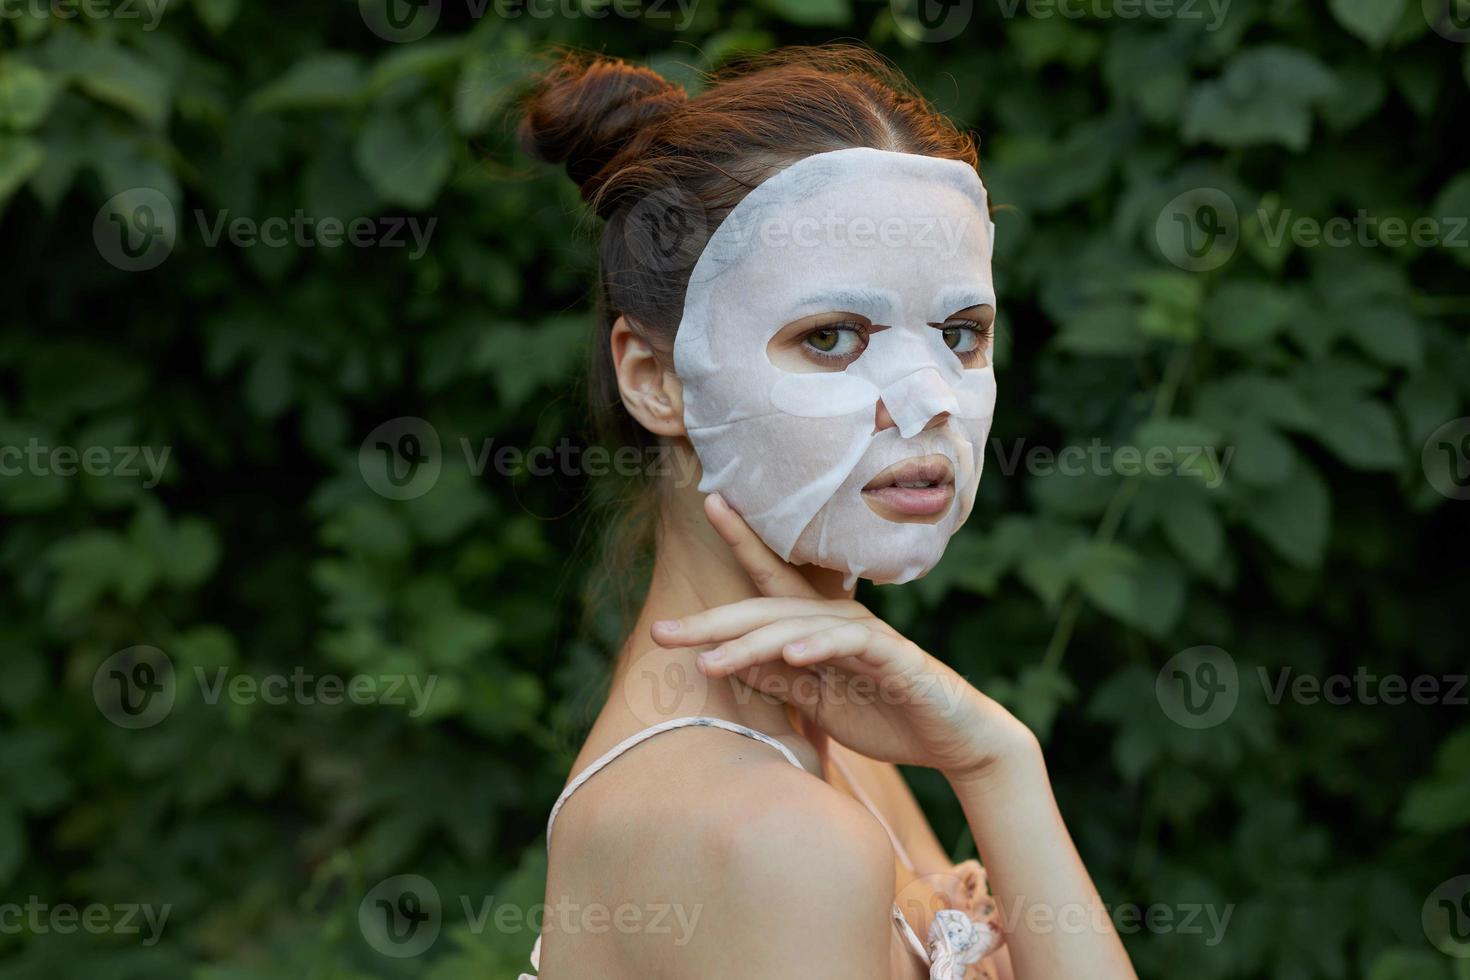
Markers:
(695, 570)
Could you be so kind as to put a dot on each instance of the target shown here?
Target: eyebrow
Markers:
(876, 304)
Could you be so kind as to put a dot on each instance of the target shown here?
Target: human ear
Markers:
(650, 391)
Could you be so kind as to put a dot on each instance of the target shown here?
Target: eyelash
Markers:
(986, 334)
(843, 327)
(966, 357)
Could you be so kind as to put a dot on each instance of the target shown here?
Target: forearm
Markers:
(1055, 922)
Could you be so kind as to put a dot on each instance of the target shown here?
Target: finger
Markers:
(851, 642)
(796, 686)
(761, 645)
(738, 618)
(771, 575)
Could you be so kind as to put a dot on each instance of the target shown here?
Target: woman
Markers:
(798, 304)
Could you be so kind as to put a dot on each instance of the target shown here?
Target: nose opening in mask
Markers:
(915, 400)
(883, 419)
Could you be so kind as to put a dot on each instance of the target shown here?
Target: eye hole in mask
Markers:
(969, 333)
(832, 341)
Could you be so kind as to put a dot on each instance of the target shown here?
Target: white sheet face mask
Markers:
(900, 239)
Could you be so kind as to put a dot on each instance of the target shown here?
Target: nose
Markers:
(916, 402)
(885, 421)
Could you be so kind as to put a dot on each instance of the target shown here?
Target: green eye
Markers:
(967, 338)
(823, 340)
(962, 340)
(836, 341)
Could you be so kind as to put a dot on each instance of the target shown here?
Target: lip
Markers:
(886, 490)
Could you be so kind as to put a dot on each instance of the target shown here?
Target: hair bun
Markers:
(585, 110)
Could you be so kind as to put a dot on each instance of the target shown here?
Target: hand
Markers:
(845, 670)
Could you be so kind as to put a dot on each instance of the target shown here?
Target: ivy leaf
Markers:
(1372, 20)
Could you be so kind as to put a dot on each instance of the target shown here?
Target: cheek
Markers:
(824, 395)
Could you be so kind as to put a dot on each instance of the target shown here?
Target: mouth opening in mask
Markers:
(919, 490)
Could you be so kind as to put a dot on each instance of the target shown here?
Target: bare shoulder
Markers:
(768, 870)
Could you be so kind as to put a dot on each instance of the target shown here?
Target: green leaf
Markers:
(811, 13)
(1145, 594)
(26, 94)
(1247, 313)
(1294, 518)
(114, 75)
(1372, 20)
(406, 154)
(1440, 802)
(1390, 334)
(419, 60)
(1360, 431)
(1266, 95)
(324, 80)
(1195, 531)
(1041, 41)
(1263, 456)
(1106, 328)
(1035, 696)
(487, 86)
(217, 15)
(1451, 209)
(1172, 304)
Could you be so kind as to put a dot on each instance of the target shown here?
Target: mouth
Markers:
(918, 487)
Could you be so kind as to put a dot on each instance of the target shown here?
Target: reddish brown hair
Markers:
(639, 148)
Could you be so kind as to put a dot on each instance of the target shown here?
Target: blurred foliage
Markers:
(262, 550)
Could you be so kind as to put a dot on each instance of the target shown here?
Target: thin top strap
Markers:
(697, 721)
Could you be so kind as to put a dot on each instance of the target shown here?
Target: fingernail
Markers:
(795, 647)
(719, 501)
(667, 625)
(712, 657)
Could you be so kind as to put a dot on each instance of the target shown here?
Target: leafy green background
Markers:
(264, 550)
